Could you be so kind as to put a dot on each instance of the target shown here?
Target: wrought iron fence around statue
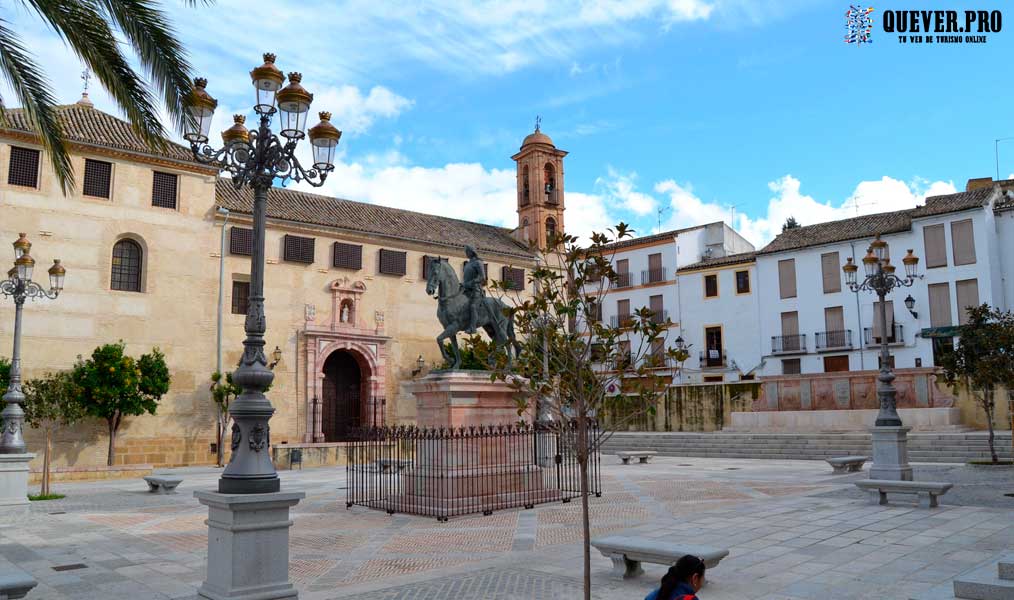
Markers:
(445, 473)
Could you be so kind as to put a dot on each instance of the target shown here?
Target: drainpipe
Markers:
(223, 212)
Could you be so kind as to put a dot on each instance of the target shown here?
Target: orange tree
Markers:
(51, 402)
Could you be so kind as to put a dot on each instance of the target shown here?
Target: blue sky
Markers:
(691, 106)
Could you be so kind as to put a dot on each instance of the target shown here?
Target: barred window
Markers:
(515, 278)
(24, 167)
(163, 190)
(426, 265)
(298, 249)
(126, 268)
(392, 262)
(97, 178)
(240, 297)
(347, 256)
(241, 241)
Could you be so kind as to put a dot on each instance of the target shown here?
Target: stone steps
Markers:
(994, 581)
(922, 447)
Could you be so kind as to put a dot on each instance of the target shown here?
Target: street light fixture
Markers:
(20, 286)
(256, 159)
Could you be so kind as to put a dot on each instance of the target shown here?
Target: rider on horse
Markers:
(473, 286)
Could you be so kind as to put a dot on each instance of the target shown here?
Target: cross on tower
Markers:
(86, 76)
(538, 122)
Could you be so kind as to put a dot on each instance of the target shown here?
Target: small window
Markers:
(24, 167)
(836, 364)
(298, 249)
(163, 190)
(427, 265)
(787, 278)
(963, 242)
(742, 282)
(880, 361)
(710, 286)
(241, 241)
(831, 272)
(347, 256)
(126, 266)
(240, 297)
(791, 366)
(967, 292)
(515, 278)
(714, 378)
(550, 228)
(936, 246)
(97, 178)
(392, 262)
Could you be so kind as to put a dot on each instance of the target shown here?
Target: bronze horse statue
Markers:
(454, 314)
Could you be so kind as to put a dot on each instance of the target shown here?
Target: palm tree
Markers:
(87, 27)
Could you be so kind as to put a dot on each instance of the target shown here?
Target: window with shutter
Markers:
(787, 278)
(298, 249)
(742, 282)
(623, 313)
(790, 324)
(710, 286)
(426, 266)
(392, 262)
(834, 321)
(831, 272)
(936, 246)
(967, 292)
(241, 241)
(240, 297)
(940, 304)
(963, 242)
(97, 178)
(515, 278)
(163, 190)
(347, 256)
(791, 366)
(890, 320)
(23, 169)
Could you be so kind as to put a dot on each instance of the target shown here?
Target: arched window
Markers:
(525, 193)
(524, 228)
(549, 175)
(127, 263)
(550, 228)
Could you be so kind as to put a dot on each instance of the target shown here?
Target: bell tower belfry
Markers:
(540, 188)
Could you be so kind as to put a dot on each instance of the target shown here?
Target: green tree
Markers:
(114, 385)
(790, 223)
(222, 394)
(984, 360)
(576, 377)
(475, 353)
(93, 29)
(5, 374)
(51, 402)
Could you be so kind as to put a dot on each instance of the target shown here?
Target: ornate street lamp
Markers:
(19, 285)
(256, 159)
(880, 279)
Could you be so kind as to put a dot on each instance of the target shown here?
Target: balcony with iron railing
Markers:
(658, 361)
(788, 344)
(896, 338)
(712, 358)
(659, 316)
(621, 321)
(833, 340)
(653, 276)
(623, 280)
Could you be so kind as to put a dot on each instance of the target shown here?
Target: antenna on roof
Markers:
(732, 214)
(660, 211)
(996, 153)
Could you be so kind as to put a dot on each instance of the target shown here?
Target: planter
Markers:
(986, 464)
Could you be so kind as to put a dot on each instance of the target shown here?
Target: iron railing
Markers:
(653, 275)
(825, 340)
(897, 336)
(659, 316)
(788, 344)
(712, 358)
(623, 280)
(445, 473)
(621, 321)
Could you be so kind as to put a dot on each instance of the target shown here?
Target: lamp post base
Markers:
(248, 546)
(14, 486)
(890, 454)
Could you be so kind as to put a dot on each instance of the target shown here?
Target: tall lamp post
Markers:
(890, 453)
(13, 453)
(249, 484)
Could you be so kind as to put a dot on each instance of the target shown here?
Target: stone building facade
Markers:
(140, 235)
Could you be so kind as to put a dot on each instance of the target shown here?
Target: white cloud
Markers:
(356, 112)
(619, 188)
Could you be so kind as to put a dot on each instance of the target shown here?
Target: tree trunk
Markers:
(220, 431)
(988, 405)
(45, 462)
(582, 463)
(111, 456)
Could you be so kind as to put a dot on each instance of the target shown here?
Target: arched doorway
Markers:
(341, 404)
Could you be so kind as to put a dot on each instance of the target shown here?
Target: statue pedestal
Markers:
(890, 453)
(248, 546)
(14, 486)
(463, 399)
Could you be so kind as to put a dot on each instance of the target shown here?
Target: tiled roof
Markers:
(86, 125)
(868, 226)
(649, 239)
(721, 261)
(373, 219)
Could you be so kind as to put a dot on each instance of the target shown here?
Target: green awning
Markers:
(939, 332)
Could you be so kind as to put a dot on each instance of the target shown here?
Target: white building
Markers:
(811, 322)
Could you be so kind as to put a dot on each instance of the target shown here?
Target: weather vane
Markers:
(86, 76)
(538, 122)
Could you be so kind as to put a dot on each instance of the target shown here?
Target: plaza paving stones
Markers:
(794, 531)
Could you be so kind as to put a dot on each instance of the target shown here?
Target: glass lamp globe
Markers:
(293, 107)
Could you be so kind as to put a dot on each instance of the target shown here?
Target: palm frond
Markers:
(81, 24)
(161, 55)
(37, 100)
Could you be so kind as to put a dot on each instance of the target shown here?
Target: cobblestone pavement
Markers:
(791, 531)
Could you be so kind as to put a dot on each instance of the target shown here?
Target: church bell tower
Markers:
(540, 188)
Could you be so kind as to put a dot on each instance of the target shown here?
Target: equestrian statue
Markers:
(464, 306)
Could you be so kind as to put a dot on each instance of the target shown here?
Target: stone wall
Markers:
(917, 388)
(700, 407)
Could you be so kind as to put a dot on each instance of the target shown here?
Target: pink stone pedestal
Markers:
(477, 471)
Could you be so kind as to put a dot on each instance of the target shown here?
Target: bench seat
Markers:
(15, 583)
(928, 491)
(641, 455)
(847, 464)
(163, 484)
(628, 552)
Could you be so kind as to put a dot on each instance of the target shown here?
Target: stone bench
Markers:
(163, 484)
(847, 464)
(927, 490)
(388, 465)
(628, 552)
(641, 455)
(15, 584)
